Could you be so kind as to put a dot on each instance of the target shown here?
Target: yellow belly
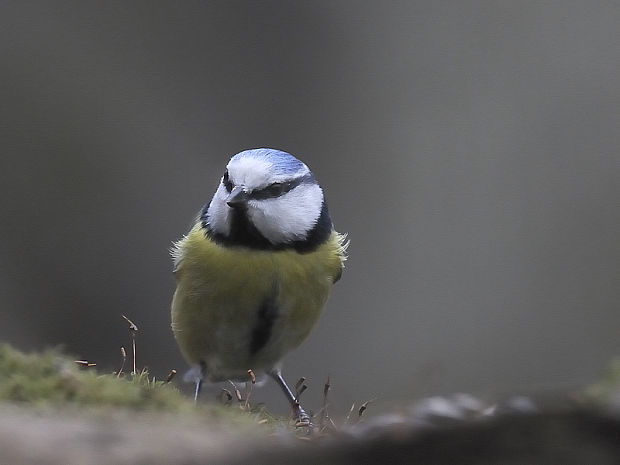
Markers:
(220, 290)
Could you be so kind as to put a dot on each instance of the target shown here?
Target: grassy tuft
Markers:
(607, 389)
(50, 378)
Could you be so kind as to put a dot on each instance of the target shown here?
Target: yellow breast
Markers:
(236, 308)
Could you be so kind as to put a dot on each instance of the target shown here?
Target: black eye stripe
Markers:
(278, 189)
(272, 191)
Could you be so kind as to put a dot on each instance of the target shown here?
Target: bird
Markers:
(254, 272)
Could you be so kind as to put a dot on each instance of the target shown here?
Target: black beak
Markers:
(238, 198)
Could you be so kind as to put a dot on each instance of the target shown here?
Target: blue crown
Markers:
(282, 162)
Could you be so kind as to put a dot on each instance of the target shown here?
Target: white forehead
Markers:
(257, 172)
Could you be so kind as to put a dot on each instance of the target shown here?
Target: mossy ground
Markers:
(607, 389)
(52, 380)
(106, 419)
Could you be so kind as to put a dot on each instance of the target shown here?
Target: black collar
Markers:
(243, 233)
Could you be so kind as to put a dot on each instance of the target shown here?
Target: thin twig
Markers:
(85, 363)
(133, 329)
(346, 420)
(363, 408)
(300, 387)
(123, 359)
(325, 412)
(249, 389)
(299, 383)
(171, 375)
(300, 392)
(237, 392)
(226, 392)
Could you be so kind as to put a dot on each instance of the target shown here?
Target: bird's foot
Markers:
(302, 419)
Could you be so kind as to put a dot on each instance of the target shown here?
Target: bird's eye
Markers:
(227, 182)
(276, 189)
(273, 190)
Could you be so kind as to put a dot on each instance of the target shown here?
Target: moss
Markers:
(607, 389)
(52, 379)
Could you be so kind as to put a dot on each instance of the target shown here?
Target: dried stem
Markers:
(133, 329)
(171, 375)
(325, 413)
(123, 359)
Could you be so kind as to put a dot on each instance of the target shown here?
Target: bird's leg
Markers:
(197, 391)
(303, 419)
(198, 373)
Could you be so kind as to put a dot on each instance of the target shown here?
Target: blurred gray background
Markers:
(470, 149)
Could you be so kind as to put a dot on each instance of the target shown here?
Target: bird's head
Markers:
(267, 199)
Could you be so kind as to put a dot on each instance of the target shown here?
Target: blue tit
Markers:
(255, 271)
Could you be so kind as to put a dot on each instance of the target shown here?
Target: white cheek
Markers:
(218, 212)
(289, 217)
